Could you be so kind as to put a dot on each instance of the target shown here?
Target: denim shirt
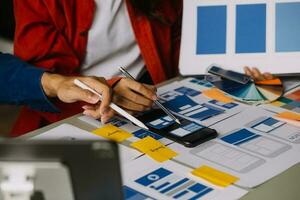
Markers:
(20, 84)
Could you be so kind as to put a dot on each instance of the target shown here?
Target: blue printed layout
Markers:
(183, 105)
(161, 123)
(116, 122)
(251, 28)
(142, 133)
(131, 194)
(211, 30)
(268, 125)
(239, 137)
(187, 129)
(224, 105)
(188, 91)
(256, 143)
(202, 83)
(172, 185)
(287, 27)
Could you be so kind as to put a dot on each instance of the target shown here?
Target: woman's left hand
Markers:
(257, 75)
(133, 96)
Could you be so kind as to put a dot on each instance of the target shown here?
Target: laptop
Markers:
(76, 170)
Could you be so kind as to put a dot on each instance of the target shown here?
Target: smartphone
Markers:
(230, 75)
(188, 133)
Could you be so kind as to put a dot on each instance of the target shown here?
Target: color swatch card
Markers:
(170, 180)
(239, 33)
(289, 102)
(252, 92)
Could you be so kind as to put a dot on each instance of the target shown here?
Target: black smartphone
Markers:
(230, 75)
(188, 133)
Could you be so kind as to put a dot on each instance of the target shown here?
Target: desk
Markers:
(284, 186)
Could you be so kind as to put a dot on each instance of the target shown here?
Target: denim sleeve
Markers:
(20, 84)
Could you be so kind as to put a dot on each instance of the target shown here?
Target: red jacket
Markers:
(53, 34)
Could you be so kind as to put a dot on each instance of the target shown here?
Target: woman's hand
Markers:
(133, 96)
(257, 75)
(63, 87)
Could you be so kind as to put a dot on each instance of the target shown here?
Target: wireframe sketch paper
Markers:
(170, 180)
(252, 145)
(239, 33)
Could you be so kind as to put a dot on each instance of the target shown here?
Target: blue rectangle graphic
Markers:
(211, 30)
(153, 176)
(178, 183)
(287, 27)
(250, 28)
(188, 91)
(141, 133)
(239, 137)
(133, 194)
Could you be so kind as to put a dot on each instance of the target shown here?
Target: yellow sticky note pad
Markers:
(216, 94)
(214, 176)
(154, 149)
(289, 115)
(112, 132)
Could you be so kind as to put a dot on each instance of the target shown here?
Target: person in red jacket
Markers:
(95, 37)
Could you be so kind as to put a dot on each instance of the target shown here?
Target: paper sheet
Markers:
(127, 126)
(252, 146)
(69, 132)
(185, 99)
(170, 180)
(215, 32)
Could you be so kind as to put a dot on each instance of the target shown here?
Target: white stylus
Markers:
(112, 105)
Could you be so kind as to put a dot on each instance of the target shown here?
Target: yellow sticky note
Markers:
(112, 132)
(154, 149)
(278, 103)
(289, 115)
(214, 176)
(216, 94)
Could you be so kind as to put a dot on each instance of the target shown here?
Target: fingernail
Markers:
(103, 111)
(94, 98)
(86, 113)
(154, 97)
(84, 107)
(103, 120)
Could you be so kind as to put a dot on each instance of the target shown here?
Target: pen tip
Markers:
(177, 121)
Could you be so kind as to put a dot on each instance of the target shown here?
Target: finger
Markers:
(88, 107)
(247, 71)
(141, 89)
(257, 75)
(268, 76)
(103, 89)
(106, 117)
(128, 104)
(92, 113)
(151, 87)
(137, 98)
(75, 93)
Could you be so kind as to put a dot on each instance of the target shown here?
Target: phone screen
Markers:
(188, 133)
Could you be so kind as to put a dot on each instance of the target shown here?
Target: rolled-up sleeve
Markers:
(20, 84)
